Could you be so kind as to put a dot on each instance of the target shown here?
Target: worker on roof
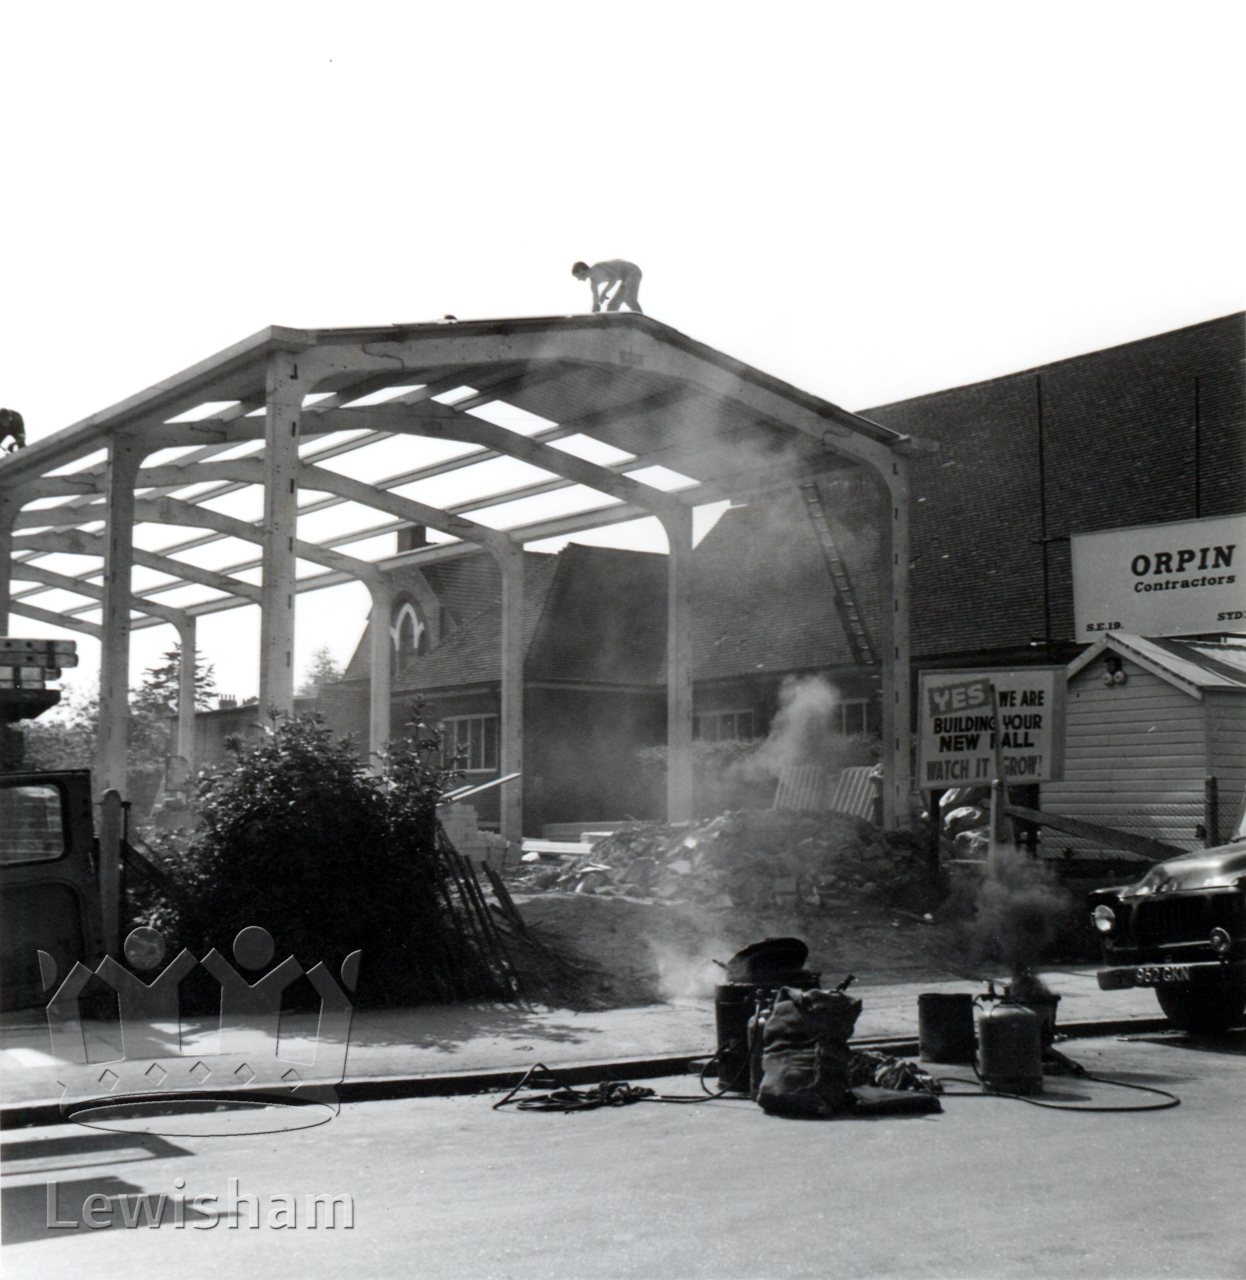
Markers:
(606, 275)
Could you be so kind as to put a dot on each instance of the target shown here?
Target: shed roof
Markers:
(1190, 665)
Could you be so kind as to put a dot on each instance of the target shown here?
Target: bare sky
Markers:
(869, 201)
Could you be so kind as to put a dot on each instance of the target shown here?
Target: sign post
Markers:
(999, 789)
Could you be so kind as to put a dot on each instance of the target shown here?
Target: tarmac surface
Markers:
(987, 1189)
(430, 1179)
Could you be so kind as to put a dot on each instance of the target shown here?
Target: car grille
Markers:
(1185, 919)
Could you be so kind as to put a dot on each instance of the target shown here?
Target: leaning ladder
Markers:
(863, 651)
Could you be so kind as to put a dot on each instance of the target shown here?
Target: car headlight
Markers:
(1104, 918)
(1221, 942)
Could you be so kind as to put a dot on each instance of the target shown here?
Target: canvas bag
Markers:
(805, 1053)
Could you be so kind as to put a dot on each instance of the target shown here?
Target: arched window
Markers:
(409, 632)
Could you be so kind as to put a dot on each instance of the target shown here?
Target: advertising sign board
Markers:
(956, 726)
(1162, 579)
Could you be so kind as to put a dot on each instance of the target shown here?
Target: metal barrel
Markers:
(945, 1027)
(734, 1004)
(1010, 1052)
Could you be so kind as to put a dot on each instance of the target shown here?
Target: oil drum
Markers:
(945, 1027)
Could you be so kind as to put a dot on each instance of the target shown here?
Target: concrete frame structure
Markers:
(623, 380)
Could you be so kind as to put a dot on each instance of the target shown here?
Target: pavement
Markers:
(447, 1049)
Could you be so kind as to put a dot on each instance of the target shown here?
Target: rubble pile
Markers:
(758, 859)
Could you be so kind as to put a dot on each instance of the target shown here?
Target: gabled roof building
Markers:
(594, 645)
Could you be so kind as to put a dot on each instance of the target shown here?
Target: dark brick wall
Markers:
(1150, 432)
(580, 756)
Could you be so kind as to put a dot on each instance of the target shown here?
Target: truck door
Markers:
(48, 895)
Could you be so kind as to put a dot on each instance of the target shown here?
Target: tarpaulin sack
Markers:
(805, 1054)
(880, 1085)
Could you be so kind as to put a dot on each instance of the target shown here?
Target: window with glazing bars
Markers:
(470, 743)
(723, 726)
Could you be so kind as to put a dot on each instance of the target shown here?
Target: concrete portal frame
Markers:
(622, 379)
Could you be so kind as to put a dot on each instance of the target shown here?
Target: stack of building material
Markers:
(459, 822)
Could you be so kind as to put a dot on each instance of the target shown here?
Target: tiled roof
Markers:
(762, 596)
(467, 586)
(604, 619)
(469, 654)
(591, 614)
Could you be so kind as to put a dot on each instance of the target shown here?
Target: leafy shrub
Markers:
(297, 838)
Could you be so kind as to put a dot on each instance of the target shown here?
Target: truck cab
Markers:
(50, 897)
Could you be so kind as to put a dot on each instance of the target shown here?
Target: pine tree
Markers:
(324, 670)
(160, 684)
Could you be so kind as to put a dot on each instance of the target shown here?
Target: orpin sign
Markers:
(1161, 580)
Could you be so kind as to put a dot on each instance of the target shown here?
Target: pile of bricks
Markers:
(757, 859)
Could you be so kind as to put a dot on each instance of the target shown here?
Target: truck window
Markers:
(31, 827)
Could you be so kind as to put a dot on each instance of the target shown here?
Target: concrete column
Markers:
(897, 741)
(381, 666)
(679, 667)
(511, 736)
(186, 691)
(124, 457)
(284, 400)
(9, 508)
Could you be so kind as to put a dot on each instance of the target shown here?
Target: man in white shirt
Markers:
(606, 275)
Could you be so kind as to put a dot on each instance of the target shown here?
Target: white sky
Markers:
(871, 201)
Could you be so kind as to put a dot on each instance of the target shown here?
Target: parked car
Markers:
(1182, 930)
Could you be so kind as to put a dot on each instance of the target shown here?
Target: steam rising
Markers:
(801, 732)
(683, 976)
(1019, 908)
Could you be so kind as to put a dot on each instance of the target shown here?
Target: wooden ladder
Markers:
(863, 651)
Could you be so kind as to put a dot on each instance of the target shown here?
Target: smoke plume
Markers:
(685, 975)
(1019, 909)
(802, 731)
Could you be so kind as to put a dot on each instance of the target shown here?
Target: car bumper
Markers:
(1201, 973)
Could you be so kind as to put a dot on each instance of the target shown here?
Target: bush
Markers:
(297, 838)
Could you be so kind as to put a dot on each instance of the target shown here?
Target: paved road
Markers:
(447, 1187)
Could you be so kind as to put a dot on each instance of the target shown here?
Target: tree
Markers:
(68, 739)
(65, 738)
(161, 684)
(324, 670)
